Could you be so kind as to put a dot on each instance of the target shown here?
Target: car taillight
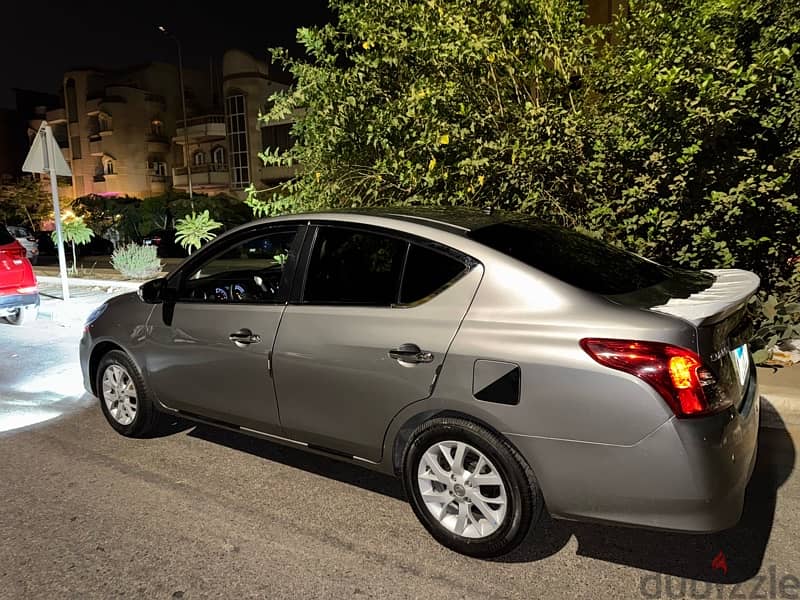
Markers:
(676, 373)
(14, 252)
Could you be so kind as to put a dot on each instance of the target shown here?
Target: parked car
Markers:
(164, 241)
(97, 246)
(496, 364)
(28, 241)
(19, 293)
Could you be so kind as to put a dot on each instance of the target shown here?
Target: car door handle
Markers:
(244, 337)
(411, 353)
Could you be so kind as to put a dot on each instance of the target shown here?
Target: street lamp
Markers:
(163, 30)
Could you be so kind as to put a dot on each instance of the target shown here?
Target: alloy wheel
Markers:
(119, 394)
(462, 489)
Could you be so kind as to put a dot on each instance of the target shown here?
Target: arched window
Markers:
(199, 158)
(108, 165)
(218, 155)
(157, 127)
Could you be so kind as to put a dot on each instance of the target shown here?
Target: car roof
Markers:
(453, 219)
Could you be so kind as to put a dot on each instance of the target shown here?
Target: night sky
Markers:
(41, 39)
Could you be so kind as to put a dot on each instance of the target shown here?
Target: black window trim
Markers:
(176, 280)
(314, 226)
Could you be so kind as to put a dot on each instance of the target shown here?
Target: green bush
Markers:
(136, 261)
(674, 131)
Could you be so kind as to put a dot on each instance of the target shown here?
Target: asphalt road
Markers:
(200, 513)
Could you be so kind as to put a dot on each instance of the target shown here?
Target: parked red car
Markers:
(19, 293)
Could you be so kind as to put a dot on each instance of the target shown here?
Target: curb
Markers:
(779, 412)
(106, 283)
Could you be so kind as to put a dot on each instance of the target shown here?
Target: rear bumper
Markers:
(687, 475)
(11, 302)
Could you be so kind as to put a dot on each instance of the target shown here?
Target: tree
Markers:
(443, 102)
(75, 232)
(674, 131)
(25, 201)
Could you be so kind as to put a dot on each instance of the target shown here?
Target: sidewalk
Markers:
(781, 389)
(85, 296)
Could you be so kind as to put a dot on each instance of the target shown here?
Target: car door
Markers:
(368, 334)
(209, 352)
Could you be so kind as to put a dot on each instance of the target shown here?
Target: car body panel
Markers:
(184, 361)
(337, 385)
(603, 444)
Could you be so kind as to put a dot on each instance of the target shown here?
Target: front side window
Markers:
(350, 266)
(249, 272)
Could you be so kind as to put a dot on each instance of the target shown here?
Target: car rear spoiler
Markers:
(732, 288)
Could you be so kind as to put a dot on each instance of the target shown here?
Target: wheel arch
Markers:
(98, 352)
(403, 435)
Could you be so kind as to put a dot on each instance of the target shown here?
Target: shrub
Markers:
(136, 262)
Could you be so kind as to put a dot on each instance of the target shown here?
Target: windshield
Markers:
(5, 236)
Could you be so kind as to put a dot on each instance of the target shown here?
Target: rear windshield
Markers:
(574, 258)
(5, 236)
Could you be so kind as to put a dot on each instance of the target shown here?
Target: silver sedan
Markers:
(495, 363)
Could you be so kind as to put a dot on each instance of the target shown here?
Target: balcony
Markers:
(57, 115)
(276, 174)
(208, 176)
(201, 129)
(157, 144)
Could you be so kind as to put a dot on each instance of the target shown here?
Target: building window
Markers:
(218, 155)
(75, 147)
(104, 122)
(160, 168)
(72, 101)
(199, 158)
(237, 139)
(108, 166)
(276, 136)
(157, 127)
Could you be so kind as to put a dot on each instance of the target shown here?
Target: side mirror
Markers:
(152, 292)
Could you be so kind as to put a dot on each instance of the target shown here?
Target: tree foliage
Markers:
(25, 202)
(674, 131)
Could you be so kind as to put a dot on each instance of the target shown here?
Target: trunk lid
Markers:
(718, 312)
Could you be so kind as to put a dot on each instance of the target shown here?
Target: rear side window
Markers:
(427, 272)
(572, 257)
(5, 236)
(350, 266)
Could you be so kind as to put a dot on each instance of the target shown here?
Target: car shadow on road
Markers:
(677, 554)
(301, 459)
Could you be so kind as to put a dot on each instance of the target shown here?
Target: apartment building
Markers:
(224, 144)
(123, 132)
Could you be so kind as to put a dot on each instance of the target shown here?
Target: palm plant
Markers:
(193, 230)
(75, 232)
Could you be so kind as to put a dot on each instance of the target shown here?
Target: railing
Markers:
(204, 168)
(204, 120)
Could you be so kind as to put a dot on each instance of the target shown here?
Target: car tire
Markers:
(466, 520)
(124, 397)
(24, 315)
